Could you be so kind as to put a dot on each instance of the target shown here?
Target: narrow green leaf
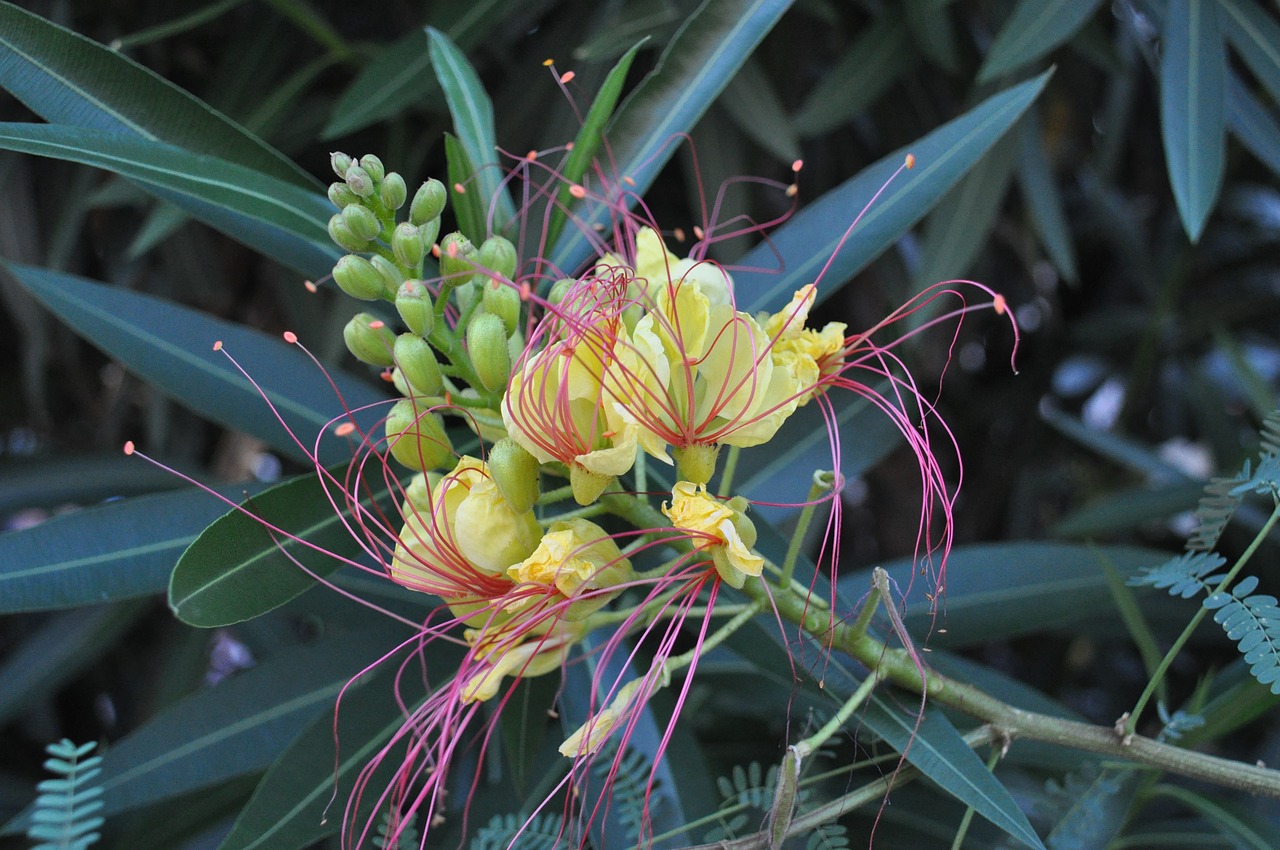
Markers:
(67, 79)
(1239, 826)
(282, 221)
(703, 56)
(933, 29)
(473, 122)
(1256, 37)
(588, 140)
(1193, 70)
(1033, 29)
(1253, 124)
(468, 205)
(810, 239)
(873, 62)
(237, 569)
(754, 106)
(1117, 448)
(106, 553)
(82, 479)
(1043, 200)
(1128, 509)
(172, 347)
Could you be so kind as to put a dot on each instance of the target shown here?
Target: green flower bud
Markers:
(359, 181)
(373, 167)
(457, 258)
(392, 277)
(369, 339)
(341, 196)
(559, 289)
(343, 236)
(504, 302)
(407, 245)
(429, 232)
(515, 471)
(417, 438)
(428, 202)
(357, 277)
(413, 301)
(487, 345)
(363, 223)
(418, 364)
(340, 163)
(498, 255)
(393, 191)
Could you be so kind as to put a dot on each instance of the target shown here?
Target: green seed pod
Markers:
(418, 364)
(392, 277)
(357, 277)
(504, 302)
(487, 345)
(393, 191)
(341, 196)
(342, 235)
(428, 202)
(407, 245)
(363, 223)
(359, 181)
(340, 162)
(373, 167)
(559, 289)
(369, 339)
(498, 255)
(417, 438)
(457, 259)
(413, 302)
(515, 471)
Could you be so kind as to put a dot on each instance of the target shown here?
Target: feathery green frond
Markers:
(1253, 621)
(65, 816)
(1184, 575)
(1217, 506)
(540, 832)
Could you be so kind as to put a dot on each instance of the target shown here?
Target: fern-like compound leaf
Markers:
(1253, 622)
(1265, 481)
(1270, 435)
(1088, 808)
(65, 815)
(1184, 575)
(1217, 506)
(541, 832)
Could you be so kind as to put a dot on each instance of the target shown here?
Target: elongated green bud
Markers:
(393, 191)
(342, 196)
(363, 223)
(369, 339)
(342, 235)
(428, 202)
(457, 258)
(373, 167)
(487, 345)
(417, 438)
(429, 232)
(502, 301)
(559, 289)
(418, 364)
(357, 277)
(340, 162)
(413, 302)
(498, 255)
(407, 245)
(515, 471)
(392, 277)
(359, 181)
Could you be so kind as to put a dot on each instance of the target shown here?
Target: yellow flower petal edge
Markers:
(721, 530)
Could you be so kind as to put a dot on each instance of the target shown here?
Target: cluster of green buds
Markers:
(431, 361)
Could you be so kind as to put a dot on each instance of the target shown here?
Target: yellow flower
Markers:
(803, 353)
(576, 556)
(721, 528)
(535, 655)
(588, 738)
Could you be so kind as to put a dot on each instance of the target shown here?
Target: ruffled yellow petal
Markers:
(691, 509)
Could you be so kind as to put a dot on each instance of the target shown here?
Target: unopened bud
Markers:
(369, 339)
(498, 255)
(393, 191)
(487, 345)
(407, 245)
(428, 202)
(559, 289)
(417, 438)
(373, 167)
(342, 235)
(418, 364)
(340, 162)
(357, 277)
(413, 302)
(457, 258)
(363, 223)
(429, 232)
(392, 277)
(515, 471)
(504, 302)
(342, 196)
(359, 181)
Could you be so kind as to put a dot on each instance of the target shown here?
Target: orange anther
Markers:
(459, 188)
(911, 160)
(344, 429)
(1000, 304)
(569, 146)
(377, 323)
(628, 181)
(792, 191)
(577, 191)
(697, 232)
(290, 337)
(128, 447)
(567, 77)
(547, 63)
(435, 250)
(310, 286)
(531, 155)
(797, 165)
(678, 233)
(217, 346)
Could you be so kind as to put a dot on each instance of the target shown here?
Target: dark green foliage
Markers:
(1087, 808)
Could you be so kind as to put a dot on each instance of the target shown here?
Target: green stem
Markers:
(557, 495)
(1131, 720)
(963, 829)
(730, 466)
(821, 483)
(815, 741)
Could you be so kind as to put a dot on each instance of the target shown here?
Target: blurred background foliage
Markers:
(1131, 218)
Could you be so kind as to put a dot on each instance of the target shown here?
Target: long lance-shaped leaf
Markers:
(67, 79)
(701, 59)
(277, 218)
(172, 347)
(105, 553)
(1256, 36)
(1033, 29)
(236, 569)
(807, 242)
(1193, 88)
